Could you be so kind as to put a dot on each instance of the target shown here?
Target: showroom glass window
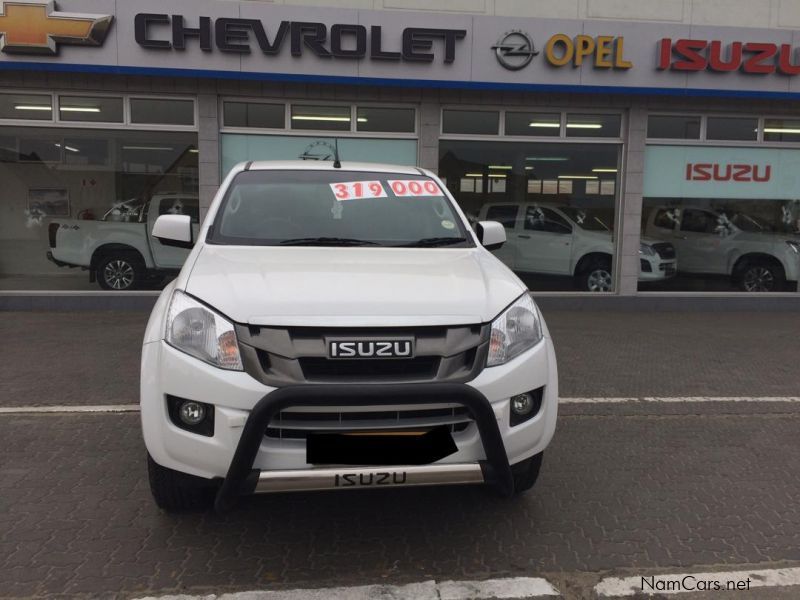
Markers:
(730, 211)
(555, 199)
(61, 178)
(367, 133)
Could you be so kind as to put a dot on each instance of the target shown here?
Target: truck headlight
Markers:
(646, 250)
(194, 328)
(518, 328)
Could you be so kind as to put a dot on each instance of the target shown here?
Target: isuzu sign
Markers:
(29, 27)
(712, 55)
(244, 36)
(728, 172)
(403, 348)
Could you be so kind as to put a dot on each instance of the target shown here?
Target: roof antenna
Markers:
(337, 164)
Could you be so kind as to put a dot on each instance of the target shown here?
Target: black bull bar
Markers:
(243, 479)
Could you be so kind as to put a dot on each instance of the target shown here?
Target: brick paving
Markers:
(625, 488)
(93, 357)
(618, 493)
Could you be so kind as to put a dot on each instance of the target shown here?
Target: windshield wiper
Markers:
(327, 241)
(435, 241)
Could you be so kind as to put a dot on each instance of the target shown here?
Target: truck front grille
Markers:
(280, 356)
(320, 369)
(665, 250)
(294, 424)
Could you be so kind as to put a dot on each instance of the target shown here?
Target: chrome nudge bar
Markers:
(242, 478)
(343, 478)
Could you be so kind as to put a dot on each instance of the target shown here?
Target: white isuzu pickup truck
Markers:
(118, 250)
(341, 326)
(749, 250)
(552, 239)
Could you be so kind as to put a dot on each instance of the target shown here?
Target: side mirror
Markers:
(174, 230)
(491, 234)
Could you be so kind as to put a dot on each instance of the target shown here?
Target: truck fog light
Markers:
(192, 413)
(525, 406)
(522, 404)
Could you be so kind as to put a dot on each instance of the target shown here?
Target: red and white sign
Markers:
(733, 172)
(414, 187)
(728, 172)
(358, 190)
(711, 55)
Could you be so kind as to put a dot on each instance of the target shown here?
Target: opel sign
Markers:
(514, 50)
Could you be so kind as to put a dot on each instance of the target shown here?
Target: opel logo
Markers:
(514, 50)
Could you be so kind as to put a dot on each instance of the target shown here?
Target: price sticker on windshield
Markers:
(414, 187)
(358, 190)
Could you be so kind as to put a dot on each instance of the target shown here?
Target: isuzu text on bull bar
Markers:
(341, 326)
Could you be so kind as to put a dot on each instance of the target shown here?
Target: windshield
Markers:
(128, 211)
(336, 208)
(751, 224)
(586, 219)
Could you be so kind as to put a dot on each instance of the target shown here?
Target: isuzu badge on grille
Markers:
(403, 348)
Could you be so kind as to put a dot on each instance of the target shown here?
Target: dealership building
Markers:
(630, 147)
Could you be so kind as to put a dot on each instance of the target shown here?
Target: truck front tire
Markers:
(526, 473)
(178, 492)
(595, 275)
(120, 271)
(760, 275)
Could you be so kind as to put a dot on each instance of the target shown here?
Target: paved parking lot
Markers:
(89, 357)
(628, 488)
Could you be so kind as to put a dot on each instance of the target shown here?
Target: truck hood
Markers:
(766, 237)
(607, 236)
(599, 236)
(353, 287)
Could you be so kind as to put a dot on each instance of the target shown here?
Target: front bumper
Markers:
(240, 453)
(658, 269)
(242, 478)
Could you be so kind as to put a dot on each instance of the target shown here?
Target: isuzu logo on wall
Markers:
(727, 172)
(747, 57)
(29, 27)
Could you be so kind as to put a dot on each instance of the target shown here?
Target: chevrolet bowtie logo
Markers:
(30, 27)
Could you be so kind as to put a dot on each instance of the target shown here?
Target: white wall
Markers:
(742, 13)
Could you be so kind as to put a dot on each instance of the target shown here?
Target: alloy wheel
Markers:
(118, 274)
(758, 279)
(599, 280)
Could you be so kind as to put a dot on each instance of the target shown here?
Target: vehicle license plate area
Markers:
(385, 447)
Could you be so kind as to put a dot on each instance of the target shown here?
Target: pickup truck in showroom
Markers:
(550, 239)
(119, 250)
(743, 247)
(340, 326)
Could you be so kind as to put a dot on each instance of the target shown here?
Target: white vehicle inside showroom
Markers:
(341, 326)
(548, 239)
